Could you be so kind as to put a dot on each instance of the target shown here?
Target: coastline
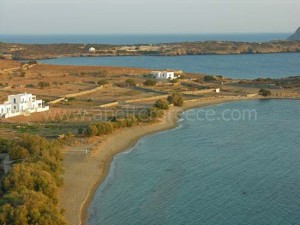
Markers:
(84, 174)
(41, 51)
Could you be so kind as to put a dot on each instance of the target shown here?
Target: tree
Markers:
(30, 188)
(5, 145)
(264, 92)
(176, 99)
(161, 104)
(17, 152)
(29, 207)
(31, 176)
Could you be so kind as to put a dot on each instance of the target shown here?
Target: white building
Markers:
(92, 49)
(163, 75)
(22, 104)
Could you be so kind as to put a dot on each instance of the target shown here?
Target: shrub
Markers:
(130, 82)
(154, 113)
(174, 81)
(70, 99)
(29, 86)
(80, 130)
(43, 84)
(103, 82)
(104, 128)
(103, 73)
(209, 78)
(23, 74)
(264, 92)
(32, 62)
(150, 83)
(176, 99)
(161, 104)
(100, 128)
(91, 131)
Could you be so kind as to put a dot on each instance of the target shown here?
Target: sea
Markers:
(124, 39)
(240, 166)
(232, 66)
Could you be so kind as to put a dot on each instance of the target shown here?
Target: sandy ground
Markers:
(85, 172)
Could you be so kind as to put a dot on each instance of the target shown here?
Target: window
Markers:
(15, 100)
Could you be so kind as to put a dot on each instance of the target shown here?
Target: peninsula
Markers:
(46, 51)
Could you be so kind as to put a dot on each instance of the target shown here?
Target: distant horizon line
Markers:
(213, 33)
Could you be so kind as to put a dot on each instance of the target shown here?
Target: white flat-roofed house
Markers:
(22, 104)
(5, 108)
(163, 75)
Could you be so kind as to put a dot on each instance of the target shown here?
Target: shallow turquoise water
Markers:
(234, 66)
(209, 172)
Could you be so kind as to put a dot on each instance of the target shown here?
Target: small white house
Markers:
(92, 49)
(22, 104)
(163, 75)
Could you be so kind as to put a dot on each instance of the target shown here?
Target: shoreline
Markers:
(154, 55)
(41, 51)
(92, 170)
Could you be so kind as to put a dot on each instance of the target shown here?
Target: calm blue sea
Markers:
(140, 38)
(234, 66)
(212, 172)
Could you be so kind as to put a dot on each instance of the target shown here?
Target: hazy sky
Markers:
(148, 16)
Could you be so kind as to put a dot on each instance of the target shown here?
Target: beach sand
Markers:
(84, 173)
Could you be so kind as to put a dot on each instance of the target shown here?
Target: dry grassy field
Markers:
(83, 91)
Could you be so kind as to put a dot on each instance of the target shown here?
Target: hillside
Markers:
(295, 36)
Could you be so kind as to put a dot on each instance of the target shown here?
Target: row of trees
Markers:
(30, 190)
(144, 116)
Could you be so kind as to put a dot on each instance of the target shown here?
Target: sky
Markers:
(148, 16)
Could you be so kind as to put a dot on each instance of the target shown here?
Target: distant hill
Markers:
(295, 36)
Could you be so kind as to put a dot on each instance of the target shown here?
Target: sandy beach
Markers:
(84, 173)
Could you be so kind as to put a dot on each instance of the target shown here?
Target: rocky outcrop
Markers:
(295, 36)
